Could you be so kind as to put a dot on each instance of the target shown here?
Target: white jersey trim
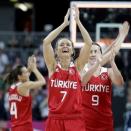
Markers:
(103, 69)
(71, 65)
(15, 85)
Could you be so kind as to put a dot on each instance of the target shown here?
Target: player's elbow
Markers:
(43, 82)
(46, 41)
(122, 82)
(119, 82)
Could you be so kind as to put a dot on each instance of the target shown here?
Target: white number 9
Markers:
(95, 100)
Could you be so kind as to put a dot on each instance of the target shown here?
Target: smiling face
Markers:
(64, 48)
(95, 53)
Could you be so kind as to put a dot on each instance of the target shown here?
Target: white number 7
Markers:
(64, 95)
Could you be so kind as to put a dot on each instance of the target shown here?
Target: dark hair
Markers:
(94, 43)
(56, 46)
(13, 75)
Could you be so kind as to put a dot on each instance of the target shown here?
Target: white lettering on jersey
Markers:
(15, 97)
(64, 84)
(96, 88)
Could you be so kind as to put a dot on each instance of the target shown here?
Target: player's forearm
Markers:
(118, 44)
(54, 34)
(116, 47)
(39, 75)
(106, 57)
(87, 75)
(112, 44)
(86, 37)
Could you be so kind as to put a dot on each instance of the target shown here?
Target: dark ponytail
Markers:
(12, 77)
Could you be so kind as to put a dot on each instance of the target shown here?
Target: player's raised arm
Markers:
(85, 51)
(124, 29)
(47, 48)
(114, 73)
(26, 86)
(117, 43)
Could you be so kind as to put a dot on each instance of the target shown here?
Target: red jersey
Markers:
(65, 93)
(96, 102)
(20, 107)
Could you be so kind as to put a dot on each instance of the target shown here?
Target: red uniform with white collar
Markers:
(96, 101)
(65, 100)
(20, 110)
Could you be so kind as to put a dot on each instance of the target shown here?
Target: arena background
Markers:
(23, 25)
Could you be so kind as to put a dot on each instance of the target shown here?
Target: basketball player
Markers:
(64, 81)
(97, 91)
(20, 102)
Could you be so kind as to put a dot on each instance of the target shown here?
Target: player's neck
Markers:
(97, 72)
(65, 63)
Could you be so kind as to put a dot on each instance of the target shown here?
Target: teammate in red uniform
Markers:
(19, 95)
(96, 94)
(64, 81)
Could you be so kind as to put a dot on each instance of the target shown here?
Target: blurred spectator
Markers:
(13, 42)
(118, 102)
(3, 113)
(121, 65)
(4, 61)
(38, 98)
(17, 62)
(129, 64)
(35, 106)
(28, 42)
(128, 109)
(44, 105)
(48, 28)
(40, 62)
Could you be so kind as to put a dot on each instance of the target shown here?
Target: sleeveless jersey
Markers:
(20, 107)
(96, 101)
(65, 93)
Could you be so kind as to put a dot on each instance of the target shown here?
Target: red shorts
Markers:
(65, 125)
(25, 127)
(98, 125)
(102, 129)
